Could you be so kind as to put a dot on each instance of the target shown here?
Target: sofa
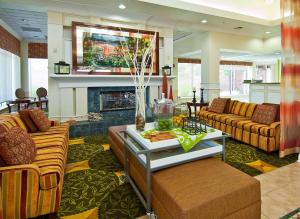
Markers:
(35, 189)
(202, 189)
(236, 120)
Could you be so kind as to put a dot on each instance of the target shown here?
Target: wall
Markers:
(208, 46)
(60, 48)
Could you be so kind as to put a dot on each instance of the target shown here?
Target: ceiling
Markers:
(30, 25)
(261, 11)
(184, 20)
(234, 55)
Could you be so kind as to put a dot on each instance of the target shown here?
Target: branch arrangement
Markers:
(140, 60)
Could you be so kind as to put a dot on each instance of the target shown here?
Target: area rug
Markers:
(95, 186)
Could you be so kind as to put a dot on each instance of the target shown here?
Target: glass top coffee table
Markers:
(154, 156)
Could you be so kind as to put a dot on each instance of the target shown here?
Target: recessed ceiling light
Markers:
(121, 6)
(267, 32)
(204, 21)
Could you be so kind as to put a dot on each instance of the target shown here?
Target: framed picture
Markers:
(97, 49)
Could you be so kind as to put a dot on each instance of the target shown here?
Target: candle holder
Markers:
(201, 97)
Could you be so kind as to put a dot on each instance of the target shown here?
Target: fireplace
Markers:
(116, 100)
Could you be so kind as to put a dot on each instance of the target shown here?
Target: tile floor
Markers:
(280, 191)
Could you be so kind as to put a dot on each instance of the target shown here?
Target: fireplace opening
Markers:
(116, 100)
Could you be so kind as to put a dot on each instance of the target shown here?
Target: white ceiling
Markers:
(180, 19)
(30, 25)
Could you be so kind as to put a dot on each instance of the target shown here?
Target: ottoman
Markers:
(207, 188)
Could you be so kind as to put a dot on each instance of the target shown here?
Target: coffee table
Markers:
(154, 156)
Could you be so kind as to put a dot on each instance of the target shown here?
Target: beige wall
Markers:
(208, 45)
(61, 101)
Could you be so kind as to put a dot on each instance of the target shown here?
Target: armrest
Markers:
(18, 180)
(29, 167)
(54, 123)
(204, 108)
(274, 125)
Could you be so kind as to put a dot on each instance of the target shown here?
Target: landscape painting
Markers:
(98, 49)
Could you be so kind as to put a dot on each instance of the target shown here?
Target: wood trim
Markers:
(74, 46)
(222, 62)
(225, 62)
(187, 60)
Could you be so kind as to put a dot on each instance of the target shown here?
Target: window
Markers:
(232, 78)
(9, 75)
(189, 77)
(38, 74)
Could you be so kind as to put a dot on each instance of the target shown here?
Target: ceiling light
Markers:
(121, 6)
(267, 32)
(204, 21)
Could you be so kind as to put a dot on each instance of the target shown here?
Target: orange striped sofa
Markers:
(237, 122)
(35, 189)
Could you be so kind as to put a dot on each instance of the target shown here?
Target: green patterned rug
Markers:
(94, 184)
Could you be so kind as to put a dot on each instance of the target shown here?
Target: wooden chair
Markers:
(42, 96)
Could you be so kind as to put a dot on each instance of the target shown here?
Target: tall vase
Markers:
(140, 110)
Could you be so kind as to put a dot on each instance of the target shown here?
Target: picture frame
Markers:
(96, 49)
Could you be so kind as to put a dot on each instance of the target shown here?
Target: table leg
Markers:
(19, 106)
(224, 150)
(149, 183)
(9, 107)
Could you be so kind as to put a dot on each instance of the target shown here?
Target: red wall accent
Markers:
(38, 50)
(9, 42)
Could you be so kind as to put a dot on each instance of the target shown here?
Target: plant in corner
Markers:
(138, 54)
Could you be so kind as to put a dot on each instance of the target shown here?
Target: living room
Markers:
(149, 109)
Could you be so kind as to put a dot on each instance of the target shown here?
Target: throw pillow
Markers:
(24, 114)
(40, 119)
(265, 114)
(17, 147)
(218, 105)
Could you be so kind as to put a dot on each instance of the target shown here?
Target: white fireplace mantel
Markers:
(72, 92)
(84, 81)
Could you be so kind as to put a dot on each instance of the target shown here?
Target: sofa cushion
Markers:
(219, 117)
(250, 110)
(247, 126)
(17, 147)
(237, 108)
(265, 114)
(232, 105)
(234, 118)
(40, 119)
(244, 109)
(31, 127)
(218, 105)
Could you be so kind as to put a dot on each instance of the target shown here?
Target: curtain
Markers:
(290, 83)
(9, 75)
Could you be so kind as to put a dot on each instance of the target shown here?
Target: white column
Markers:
(210, 62)
(24, 68)
(55, 54)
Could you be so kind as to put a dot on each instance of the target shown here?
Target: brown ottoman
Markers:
(207, 188)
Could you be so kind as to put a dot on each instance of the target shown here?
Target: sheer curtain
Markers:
(290, 84)
(9, 75)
